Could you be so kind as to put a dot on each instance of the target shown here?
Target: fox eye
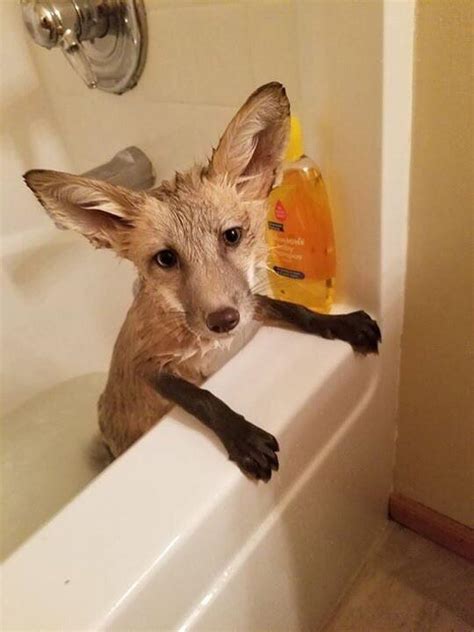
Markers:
(166, 258)
(232, 236)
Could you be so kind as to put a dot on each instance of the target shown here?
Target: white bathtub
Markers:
(171, 536)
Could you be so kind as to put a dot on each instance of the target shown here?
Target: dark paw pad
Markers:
(360, 331)
(254, 451)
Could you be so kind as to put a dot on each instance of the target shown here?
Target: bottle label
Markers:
(276, 226)
(299, 235)
(291, 274)
(280, 211)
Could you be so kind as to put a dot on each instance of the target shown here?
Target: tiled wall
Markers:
(29, 133)
(204, 59)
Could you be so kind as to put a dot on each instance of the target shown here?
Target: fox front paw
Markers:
(254, 451)
(359, 330)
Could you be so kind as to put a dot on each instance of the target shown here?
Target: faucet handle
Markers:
(105, 41)
(74, 53)
(42, 22)
(58, 24)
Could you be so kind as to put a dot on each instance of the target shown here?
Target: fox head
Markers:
(198, 240)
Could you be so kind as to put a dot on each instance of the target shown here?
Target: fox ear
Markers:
(100, 211)
(253, 145)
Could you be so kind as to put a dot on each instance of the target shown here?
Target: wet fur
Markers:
(164, 350)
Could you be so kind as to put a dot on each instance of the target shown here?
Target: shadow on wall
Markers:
(341, 74)
(28, 127)
(29, 130)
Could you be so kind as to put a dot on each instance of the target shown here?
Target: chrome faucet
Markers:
(105, 41)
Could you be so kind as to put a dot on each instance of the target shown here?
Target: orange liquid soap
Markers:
(300, 236)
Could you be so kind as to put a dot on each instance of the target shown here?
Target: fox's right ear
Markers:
(253, 145)
(100, 211)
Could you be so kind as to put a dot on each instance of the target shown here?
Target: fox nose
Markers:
(223, 320)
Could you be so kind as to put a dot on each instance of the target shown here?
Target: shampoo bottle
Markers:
(302, 255)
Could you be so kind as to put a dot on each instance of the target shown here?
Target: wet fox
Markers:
(197, 242)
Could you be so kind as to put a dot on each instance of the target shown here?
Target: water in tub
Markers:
(46, 456)
(52, 450)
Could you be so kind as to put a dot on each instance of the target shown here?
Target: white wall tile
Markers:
(173, 135)
(28, 130)
(18, 78)
(274, 46)
(198, 54)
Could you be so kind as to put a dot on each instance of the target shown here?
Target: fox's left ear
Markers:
(100, 211)
(253, 145)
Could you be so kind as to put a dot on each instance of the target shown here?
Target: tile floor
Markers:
(409, 584)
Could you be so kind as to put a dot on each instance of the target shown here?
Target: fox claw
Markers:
(254, 451)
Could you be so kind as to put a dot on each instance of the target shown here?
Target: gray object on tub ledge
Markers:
(129, 168)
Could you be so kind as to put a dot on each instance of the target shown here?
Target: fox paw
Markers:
(359, 330)
(254, 451)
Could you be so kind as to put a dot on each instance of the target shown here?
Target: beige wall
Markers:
(435, 453)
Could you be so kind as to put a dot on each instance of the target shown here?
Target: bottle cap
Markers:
(295, 146)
